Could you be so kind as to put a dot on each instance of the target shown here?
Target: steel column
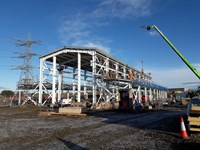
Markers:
(139, 94)
(20, 92)
(94, 78)
(79, 77)
(116, 70)
(60, 77)
(73, 82)
(145, 93)
(150, 95)
(54, 81)
(124, 72)
(157, 94)
(107, 67)
(85, 78)
(41, 81)
(154, 94)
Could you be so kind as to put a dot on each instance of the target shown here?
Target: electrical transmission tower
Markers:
(26, 80)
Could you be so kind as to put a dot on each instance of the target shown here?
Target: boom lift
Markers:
(193, 111)
(175, 50)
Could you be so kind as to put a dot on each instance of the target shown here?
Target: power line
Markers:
(26, 77)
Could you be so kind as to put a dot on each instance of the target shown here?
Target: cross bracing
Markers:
(80, 71)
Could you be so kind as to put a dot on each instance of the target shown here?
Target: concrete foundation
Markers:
(73, 110)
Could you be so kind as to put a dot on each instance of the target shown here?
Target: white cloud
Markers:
(81, 29)
(101, 47)
(72, 30)
(123, 8)
(175, 77)
(78, 32)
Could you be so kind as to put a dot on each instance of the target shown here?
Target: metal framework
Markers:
(91, 74)
(26, 82)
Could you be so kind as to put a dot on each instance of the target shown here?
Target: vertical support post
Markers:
(41, 81)
(165, 94)
(154, 94)
(130, 93)
(139, 94)
(117, 86)
(150, 95)
(74, 78)
(107, 67)
(157, 95)
(124, 72)
(79, 77)
(54, 81)
(116, 70)
(94, 78)
(145, 93)
(85, 78)
(60, 77)
(19, 102)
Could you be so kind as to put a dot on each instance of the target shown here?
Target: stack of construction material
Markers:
(194, 118)
(72, 110)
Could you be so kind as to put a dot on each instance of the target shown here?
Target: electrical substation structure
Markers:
(27, 81)
(91, 74)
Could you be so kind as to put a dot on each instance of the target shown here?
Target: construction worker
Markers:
(110, 73)
(130, 75)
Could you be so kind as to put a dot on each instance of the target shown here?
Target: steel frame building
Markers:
(90, 72)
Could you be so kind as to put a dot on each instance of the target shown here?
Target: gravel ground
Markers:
(23, 128)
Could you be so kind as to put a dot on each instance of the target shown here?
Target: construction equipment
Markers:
(193, 120)
(194, 70)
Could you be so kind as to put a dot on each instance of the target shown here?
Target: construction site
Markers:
(87, 99)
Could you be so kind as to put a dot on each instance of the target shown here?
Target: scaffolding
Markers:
(90, 73)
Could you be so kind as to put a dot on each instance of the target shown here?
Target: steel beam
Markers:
(79, 77)
(54, 81)
(41, 82)
(94, 87)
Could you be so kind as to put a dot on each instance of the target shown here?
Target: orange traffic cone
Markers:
(183, 130)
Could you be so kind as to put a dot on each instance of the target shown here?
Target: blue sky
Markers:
(111, 25)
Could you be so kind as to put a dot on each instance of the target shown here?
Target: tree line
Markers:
(7, 93)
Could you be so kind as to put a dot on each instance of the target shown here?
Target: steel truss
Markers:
(84, 73)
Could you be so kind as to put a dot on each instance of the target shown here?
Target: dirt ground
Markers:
(23, 128)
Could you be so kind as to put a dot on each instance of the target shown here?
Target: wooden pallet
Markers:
(194, 129)
(194, 123)
(195, 108)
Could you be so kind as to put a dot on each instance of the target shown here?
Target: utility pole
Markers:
(26, 81)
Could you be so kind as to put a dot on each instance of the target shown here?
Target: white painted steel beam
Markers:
(117, 70)
(85, 82)
(74, 81)
(94, 87)
(79, 77)
(150, 95)
(145, 93)
(41, 82)
(54, 81)
(95, 64)
(139, 94)
(60, 81)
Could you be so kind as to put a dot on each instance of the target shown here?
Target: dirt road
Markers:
(23, 128)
